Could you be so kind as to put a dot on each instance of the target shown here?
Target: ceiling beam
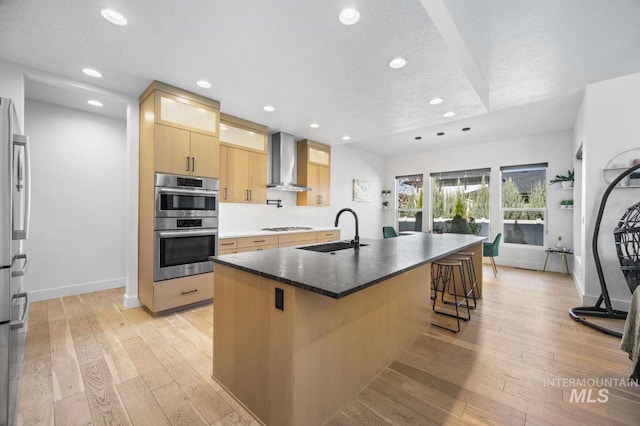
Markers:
(447, 28)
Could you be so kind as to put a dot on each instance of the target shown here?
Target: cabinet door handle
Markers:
(189, 292)
(193, 164)
(225, 193)
(246, 194)
(251, 195)
(188, 164)
(259, 241)
(227, 244)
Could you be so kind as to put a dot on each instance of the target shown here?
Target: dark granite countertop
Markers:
(348, 271)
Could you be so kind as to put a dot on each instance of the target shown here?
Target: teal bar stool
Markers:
(491, 250)
(389, 232)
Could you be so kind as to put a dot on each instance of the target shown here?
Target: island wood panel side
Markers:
(340, 345)
(252, 343)
(477, 265)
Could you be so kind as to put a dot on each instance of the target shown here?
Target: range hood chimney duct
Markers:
(283, 162)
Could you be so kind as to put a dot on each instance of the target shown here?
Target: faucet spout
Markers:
(356, 239)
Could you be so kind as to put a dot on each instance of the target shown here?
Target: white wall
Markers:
(78, 218)
(347, 163)
(609, 127)
(552, 148)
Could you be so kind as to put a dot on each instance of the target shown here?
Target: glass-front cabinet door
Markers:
(187, 114)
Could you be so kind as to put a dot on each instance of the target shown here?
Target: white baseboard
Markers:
(130, 301)
(72, 290)
(621, 305)
(523, 264)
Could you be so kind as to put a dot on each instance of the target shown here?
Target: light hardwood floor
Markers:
(90, 361)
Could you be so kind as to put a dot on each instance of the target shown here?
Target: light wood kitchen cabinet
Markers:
(296, 239)
(263, 242)
(245, 244)
(178, 135)
(243, 161)
(314, 171)
(182, 152)
(328, 236)
(183, 111)
(227, 246)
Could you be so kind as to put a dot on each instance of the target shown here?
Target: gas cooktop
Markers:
(287, 228)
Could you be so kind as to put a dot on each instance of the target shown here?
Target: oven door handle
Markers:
(193, 233)
(186, 191)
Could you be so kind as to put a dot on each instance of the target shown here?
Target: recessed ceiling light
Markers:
(349, 16)
(397, 63)
(346, 138)
(418, 138)
(436, 101)
(314, 125)
(113, 17)
(466, 129)
(268, 108)
(449, 114)
(94, 103)
(440, 133)
(204, 84)
(91, 72)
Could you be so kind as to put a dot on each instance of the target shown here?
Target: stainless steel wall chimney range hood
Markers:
(283, 162)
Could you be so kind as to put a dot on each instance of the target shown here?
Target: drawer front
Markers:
(327, 236)
(182, 291)
(257, 248)
(263, 240)
(227, 244)
(298, 237)
(227, 251)
(297, 243)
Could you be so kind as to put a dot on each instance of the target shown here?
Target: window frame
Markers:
(544, 210)
(396, 206)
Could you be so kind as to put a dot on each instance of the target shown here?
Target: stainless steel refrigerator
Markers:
(14, 225)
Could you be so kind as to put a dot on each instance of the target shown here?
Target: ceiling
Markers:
(507, 68)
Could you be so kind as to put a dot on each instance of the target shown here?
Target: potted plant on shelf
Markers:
(565, 180)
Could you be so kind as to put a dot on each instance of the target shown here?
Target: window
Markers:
(524, 204)
(410, 196)
(469, 189)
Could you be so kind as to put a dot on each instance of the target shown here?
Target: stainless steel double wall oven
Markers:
(186, 225)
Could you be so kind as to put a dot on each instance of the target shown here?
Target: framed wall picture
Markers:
(362, 190)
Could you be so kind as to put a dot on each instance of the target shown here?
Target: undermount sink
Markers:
(329, 247)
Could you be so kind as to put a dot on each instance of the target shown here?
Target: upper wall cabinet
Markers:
(314, 171)
(181, 152)
(185, 110)
(186, 114)
(179, 132)
(243, 134)
(243, 161)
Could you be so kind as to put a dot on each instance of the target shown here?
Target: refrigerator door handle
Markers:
(15, 325)
(22, 271)
(23, 183)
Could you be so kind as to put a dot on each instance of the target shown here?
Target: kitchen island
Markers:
(298, 333)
